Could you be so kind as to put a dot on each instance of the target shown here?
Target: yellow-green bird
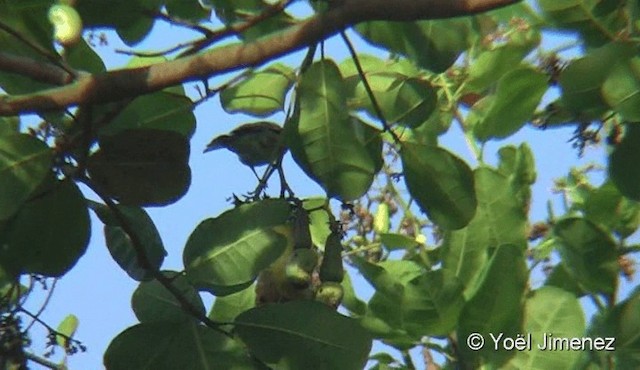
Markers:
(256, 144)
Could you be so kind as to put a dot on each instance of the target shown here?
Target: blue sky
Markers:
(99, 292)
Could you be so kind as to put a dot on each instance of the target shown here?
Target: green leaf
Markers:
(9, 125)
(623, 170)
(318, 220)
(290, 336)
(588, 253)
(170, 346)
(402, 99)
(128, 18)
(492, 64)
(261, 94)
(500, 219)
(554, 313)
(120, 245)
(35, 243)
(606, 206)
(561, 278)
(24, 163)
(496, 307)
(81, 56)
(67, 328)
(621, 90)
(191, 10)
(152, 302)
(441, 183)
(393, 241)
(388, 277)
(517, 95)
(333, 149)
(429, 305)
(518, 165)
(582, 80)
(622, 323)
(231, 249)
(592, 19)
(142, 167)
(227, 308)
(238, 11)
(434, 45)
(168, 110)
(350, 301)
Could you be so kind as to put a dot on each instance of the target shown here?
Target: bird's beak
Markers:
(217, 143)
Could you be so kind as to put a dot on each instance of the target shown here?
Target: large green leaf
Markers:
(152, 302)
(334, 149)
(549, 313)
(24, 163)
(492, 64)
(261, 94)
(441, 183)
(304, 335)
(29, 20)
(622, 323)
(500, 219)
(623, 168)
(120, 245)
(402, 99)
(227, 308)
(171, 345)
(388, 277)
(596, 21)
(40, 241)
(582, 80)
(142, 167)
(230, 250)
(433, 45)
(517, 95)
(9, 125)
(588, 253)
(167, 110)
(497, 305)
(428, 305)
(621, 90)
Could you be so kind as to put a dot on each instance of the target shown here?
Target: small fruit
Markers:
(381, 219)
(67, 24)
(330, 293)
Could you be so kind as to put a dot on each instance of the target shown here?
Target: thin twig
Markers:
(367, 87)
(180, 22)
(144, 262)
(43, 361)
(44, 304)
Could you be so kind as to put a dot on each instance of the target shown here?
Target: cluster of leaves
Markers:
(349, 124)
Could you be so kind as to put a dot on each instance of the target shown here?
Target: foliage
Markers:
(449, 249)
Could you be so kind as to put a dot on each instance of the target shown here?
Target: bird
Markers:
(256, 144)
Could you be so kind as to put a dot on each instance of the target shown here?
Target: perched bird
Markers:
(256, 144)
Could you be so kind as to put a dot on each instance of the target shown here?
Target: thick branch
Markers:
(115, 85)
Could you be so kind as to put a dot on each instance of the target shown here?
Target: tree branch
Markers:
(119, 84)
(35, 69)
